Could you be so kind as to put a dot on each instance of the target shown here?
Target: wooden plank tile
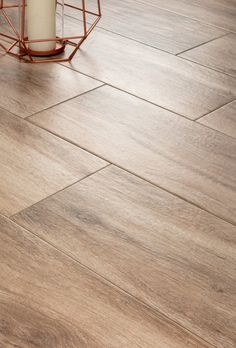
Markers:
(48, 300)
(159, 77)
(29, 88)
(216, 12)
(223, 119)
(218, 54)
(35, 164)
(168, 253)
(153, 26)
(182, 156)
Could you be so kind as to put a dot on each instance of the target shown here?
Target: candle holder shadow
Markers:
(14, 38)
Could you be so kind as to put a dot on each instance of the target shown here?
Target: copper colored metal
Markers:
(16, 42)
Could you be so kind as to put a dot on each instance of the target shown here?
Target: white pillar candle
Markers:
(41, 24)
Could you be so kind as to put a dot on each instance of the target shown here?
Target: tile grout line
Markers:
(139, 176)
(124, 91)
(148, 101)
(66, 100)
(133, 95)
(159, 314)
(175, 195)
(133, 173)
(227, 32)
(28, 121)
(12, 113)
(27, 118)
(195, 19)
(202, 44)
(215, 130)
(208, 67)
(124, 36)
(213, 110)
(62, 189)
(141, 247)
(164, 108)
(178, 55)
(54, 105)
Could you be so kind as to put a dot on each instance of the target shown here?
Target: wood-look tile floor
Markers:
(118, 184)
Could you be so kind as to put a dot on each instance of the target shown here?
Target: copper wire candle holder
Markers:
(13, 30)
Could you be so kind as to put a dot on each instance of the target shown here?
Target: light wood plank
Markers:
(29, 88)
(216, 12)
(223, 119)
(219, 54)
(152, 26)
(48, 300)
(168, 253)
(35, 164)
(184, 157)
(166, 80)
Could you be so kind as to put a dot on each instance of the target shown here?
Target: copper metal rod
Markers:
(11, 47)
(81, 9)
(84, 18)
(10, 23)
(7, 36)
(99, 8)
(22, 42)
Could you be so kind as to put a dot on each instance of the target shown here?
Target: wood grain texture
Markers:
(152, 26)
(166, 80)
(216, 12)
(48, 300)
(35, 164)
(144, 240)
(223, 119)
(179, 155)
(29, 88)
(219, 54)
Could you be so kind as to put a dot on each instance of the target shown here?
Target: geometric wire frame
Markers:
(16, 43)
